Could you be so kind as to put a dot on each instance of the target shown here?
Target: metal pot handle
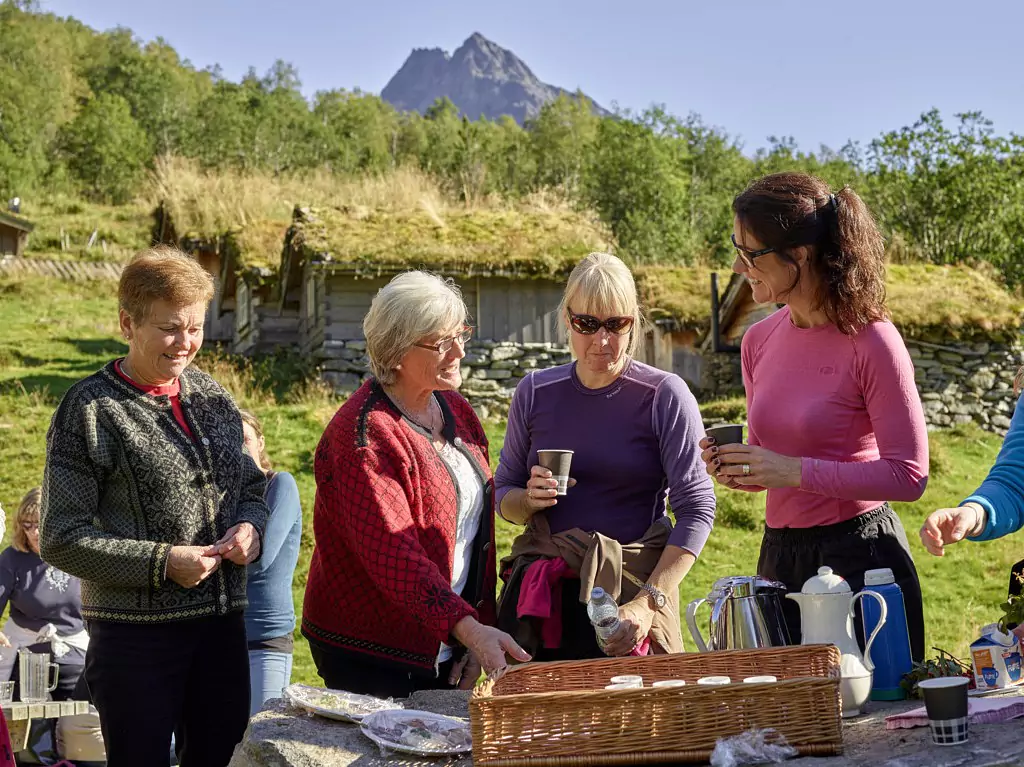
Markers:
(885, 614)
(691, 621)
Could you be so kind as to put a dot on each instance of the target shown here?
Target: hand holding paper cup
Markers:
(557, 462)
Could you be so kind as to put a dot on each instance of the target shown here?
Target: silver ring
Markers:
(746, 470)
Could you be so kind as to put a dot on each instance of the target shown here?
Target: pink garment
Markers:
(979, 711)
(847, 406)
(540, 596)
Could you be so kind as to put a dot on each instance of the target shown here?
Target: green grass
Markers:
(121, 230)
(54, 333)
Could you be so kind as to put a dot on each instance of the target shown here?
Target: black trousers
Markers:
(579, 641)
(344, 671)
(872, 540)
(147, 681)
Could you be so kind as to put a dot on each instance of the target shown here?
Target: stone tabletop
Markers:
(281, 737)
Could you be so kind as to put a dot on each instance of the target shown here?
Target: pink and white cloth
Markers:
(979, 711)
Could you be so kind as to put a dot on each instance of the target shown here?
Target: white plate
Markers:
(384, 728)
(336, 704)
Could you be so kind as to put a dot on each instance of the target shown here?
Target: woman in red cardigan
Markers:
(401, 586)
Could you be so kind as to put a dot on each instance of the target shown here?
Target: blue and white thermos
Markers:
(891, 649)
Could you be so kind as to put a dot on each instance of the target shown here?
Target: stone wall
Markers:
(490, 369)
(965, 382)
(959, 382)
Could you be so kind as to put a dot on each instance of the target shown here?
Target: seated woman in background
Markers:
(634, 431)
(46, 604)
(993, 510)
(835, 426)
(270, 616)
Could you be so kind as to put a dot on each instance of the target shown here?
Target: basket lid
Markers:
(825, 582)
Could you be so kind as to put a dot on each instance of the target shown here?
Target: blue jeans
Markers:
(269, 673)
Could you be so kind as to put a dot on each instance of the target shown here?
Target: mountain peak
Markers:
(481, 78)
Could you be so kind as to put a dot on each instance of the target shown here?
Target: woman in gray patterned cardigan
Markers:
(150, 500)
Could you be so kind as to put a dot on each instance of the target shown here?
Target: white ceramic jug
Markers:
(826, 617)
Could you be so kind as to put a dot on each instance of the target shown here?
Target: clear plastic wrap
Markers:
(766, 746)
(336, 704)
(417, 732)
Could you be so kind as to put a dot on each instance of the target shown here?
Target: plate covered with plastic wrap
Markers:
(418, 732)
(336, 704)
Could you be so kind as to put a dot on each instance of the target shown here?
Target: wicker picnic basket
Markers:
(559, 714)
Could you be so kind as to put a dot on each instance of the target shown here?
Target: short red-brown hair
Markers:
(162, 273)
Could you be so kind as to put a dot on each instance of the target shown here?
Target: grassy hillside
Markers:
(55, 333)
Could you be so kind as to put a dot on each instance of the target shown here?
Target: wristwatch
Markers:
(660, 600)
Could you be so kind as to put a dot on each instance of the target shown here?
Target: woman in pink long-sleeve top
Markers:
(835, 424)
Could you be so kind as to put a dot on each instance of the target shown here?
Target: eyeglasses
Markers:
(445, 344)
(587, 324)
(28, 527)
(748, 256)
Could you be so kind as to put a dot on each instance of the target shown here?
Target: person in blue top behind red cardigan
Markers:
(400, 595)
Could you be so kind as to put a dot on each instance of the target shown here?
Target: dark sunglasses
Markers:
(748, 256)
(587, 324)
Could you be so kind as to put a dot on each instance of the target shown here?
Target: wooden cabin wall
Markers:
(10, 241)
(220, 321)
(525, 311)
(746, 314)
(246, 332)
(261, 327)
(500, 309)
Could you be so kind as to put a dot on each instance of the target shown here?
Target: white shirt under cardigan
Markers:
(470, 489)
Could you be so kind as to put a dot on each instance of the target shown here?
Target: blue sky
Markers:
(820, 72)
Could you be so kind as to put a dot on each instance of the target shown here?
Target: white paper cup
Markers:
(670, 683)
(714, 680)
(633, 680)
(763, 679)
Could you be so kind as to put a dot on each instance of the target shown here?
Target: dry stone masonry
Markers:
(965, 382)
(959, 382)
(490, 369)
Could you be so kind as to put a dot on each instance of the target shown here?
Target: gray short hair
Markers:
(413, 305)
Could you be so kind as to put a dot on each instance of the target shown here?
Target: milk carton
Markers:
(997, 659)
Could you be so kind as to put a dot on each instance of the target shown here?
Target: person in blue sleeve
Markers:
(997, 507)
(270, 617)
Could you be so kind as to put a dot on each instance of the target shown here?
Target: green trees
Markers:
(954, 195)
(89, 112)
(105, 149)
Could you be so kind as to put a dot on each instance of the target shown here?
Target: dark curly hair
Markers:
(790, 210)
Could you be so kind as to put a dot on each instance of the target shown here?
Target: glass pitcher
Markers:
(34, 670)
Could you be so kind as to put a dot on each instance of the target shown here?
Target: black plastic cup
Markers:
(557, 462)
(729, 434)
(945, 699)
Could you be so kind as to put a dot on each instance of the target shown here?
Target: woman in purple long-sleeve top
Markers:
(634, 431)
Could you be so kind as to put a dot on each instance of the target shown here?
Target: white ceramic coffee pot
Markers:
(826, 617)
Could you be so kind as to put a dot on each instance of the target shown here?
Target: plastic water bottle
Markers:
(891, 651)
(604, 614)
